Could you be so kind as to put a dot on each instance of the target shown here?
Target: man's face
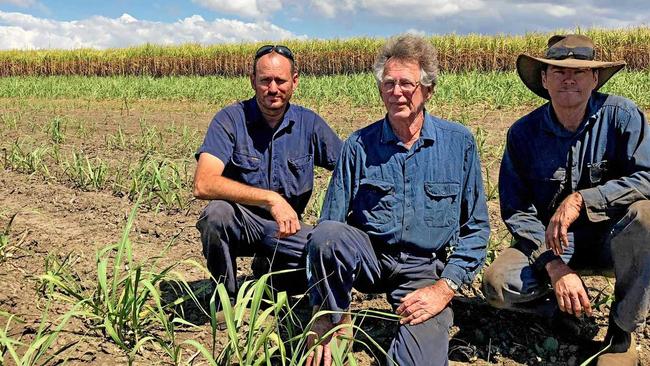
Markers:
(400, 103)
(273, 82)
(569, 88)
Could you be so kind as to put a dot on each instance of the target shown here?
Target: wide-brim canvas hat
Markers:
(573, 51)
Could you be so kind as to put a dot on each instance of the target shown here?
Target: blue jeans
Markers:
(511, 283)
(341, 257)
(229, 230)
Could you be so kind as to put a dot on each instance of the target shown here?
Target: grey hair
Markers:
(408, 47)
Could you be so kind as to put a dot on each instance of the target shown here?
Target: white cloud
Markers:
(397, 9)
(23, 31)
(20, 3)
(416, 32)
(478, 16)
(557, 11)
(256, 9)
(331, 8)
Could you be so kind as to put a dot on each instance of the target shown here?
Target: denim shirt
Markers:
(426, 198)
(280, 159)
(607, 160)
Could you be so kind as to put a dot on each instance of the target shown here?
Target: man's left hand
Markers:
(557, 230)
(425, 303)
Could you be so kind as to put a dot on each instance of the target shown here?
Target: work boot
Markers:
(627, 358)
(260, 266)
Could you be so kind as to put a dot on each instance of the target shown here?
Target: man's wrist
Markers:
(271, 199)
(556, 269)
(579, 200)
(553, 264)
(451, 284)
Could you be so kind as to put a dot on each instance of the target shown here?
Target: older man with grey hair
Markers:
(405, 214)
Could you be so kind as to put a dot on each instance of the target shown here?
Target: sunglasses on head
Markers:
(282, 50)
(561, 53)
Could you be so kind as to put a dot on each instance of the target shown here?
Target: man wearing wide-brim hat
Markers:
(574, 187)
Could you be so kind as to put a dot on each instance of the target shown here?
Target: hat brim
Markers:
(530, 70)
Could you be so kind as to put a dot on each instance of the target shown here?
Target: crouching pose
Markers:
(256, 166)
(405, 214)
(574, 188)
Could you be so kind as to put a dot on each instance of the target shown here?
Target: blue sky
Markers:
(39, 24)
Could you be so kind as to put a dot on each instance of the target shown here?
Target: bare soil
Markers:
(55, 218)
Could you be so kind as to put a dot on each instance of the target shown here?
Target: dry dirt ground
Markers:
(56, 219)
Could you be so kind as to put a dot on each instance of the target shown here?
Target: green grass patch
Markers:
(492, 90)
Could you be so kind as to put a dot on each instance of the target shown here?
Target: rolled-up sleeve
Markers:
(611, 198)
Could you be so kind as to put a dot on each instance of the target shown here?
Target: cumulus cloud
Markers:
(256, 9)
(23, 31)
(410, 9)
(483, 16)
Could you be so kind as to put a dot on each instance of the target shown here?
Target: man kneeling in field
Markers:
(404, 214)
(574, 188)
(256, 166)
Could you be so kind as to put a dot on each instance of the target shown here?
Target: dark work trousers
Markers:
(341, 257)
(512, 283)
(229, 230)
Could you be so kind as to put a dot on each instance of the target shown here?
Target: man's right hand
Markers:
(284, 215)
(569, 290)
(322, 353)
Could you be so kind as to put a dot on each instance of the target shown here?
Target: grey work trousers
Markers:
(229, 230)
(340, 257)
(512, 283)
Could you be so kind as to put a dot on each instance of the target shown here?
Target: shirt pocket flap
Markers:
(300, 161)
(245, 162)
(377, 185)
(435, 189)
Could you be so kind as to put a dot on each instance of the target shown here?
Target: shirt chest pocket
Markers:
(247, 168)
(440, 204)
(373, 203)
(302, 169)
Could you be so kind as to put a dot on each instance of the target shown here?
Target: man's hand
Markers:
(322, 354)
(556, 233)
(425, 303)
(284, 215)
(571, 295)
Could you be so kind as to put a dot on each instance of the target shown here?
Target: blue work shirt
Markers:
(425, 198)
(280, 159)
(607, 160)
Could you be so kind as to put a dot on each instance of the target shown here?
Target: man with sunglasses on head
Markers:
(256, 166)
(574, 188)
(405, 215)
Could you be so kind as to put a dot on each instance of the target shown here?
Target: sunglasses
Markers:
(561, 53)
(282, 50)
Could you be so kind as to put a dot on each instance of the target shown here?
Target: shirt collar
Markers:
(427, 133)
(552, 125)
(257, 118)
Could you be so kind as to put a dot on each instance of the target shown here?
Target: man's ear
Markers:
(543, 79)
(296, 79)
(429, 93)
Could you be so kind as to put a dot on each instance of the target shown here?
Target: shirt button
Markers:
(407, 227)
(408, 204)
